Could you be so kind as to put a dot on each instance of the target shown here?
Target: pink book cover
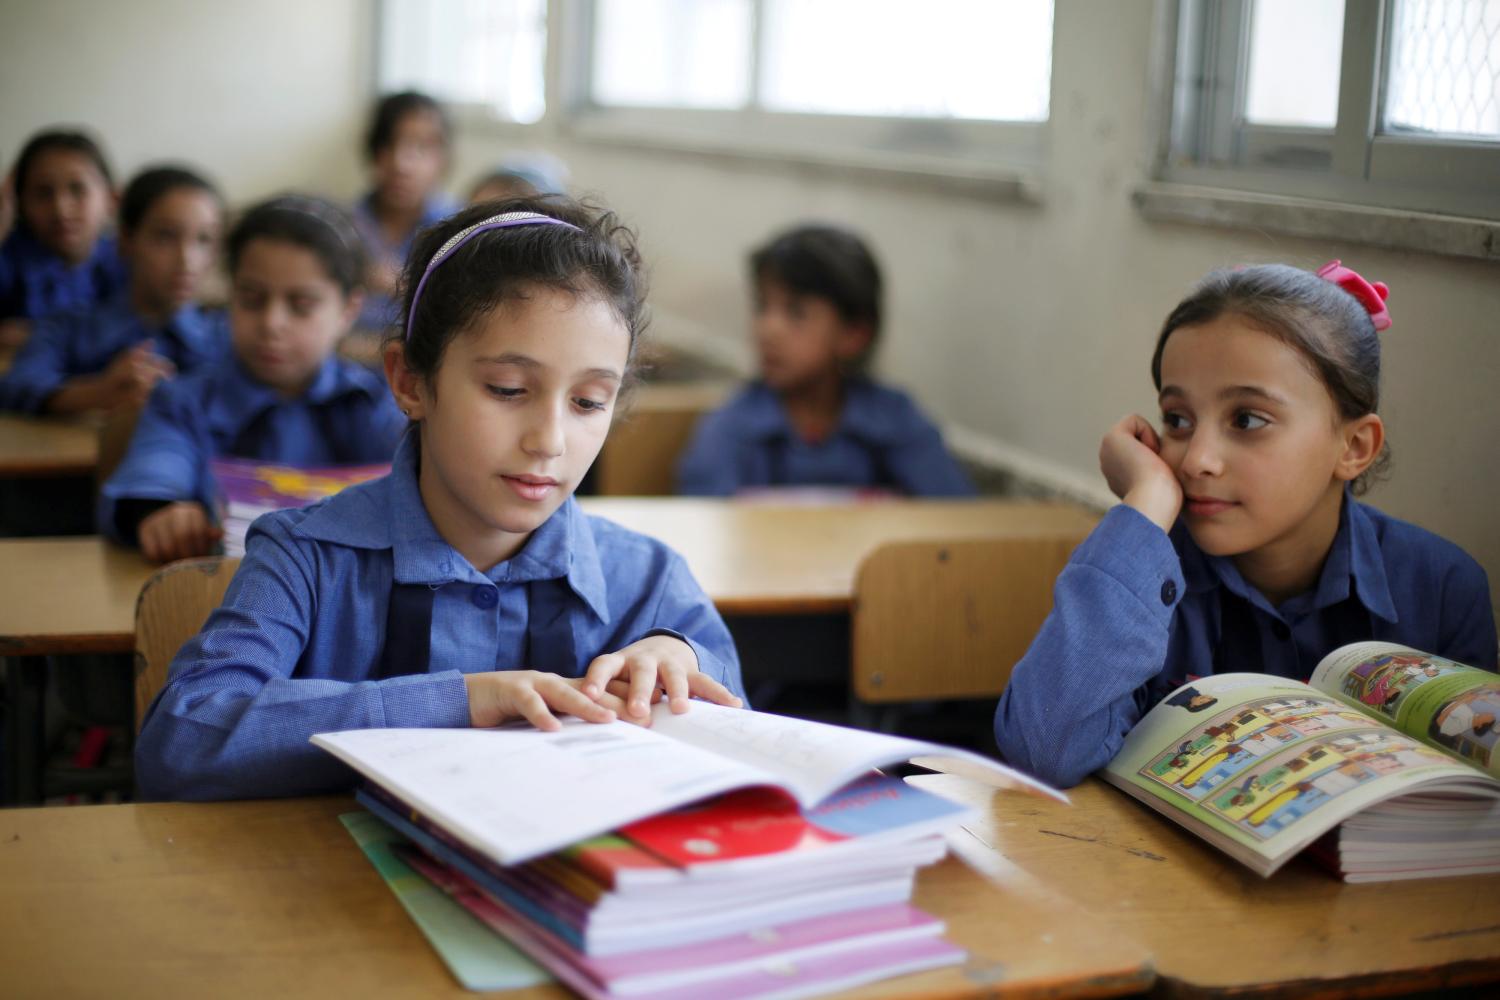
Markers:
(803, 957)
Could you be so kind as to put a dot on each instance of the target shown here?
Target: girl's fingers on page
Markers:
(642, 683)
(708, 689)
(566, 697)
(674, 680)
(616, 704)
(533, 708)
(601, 671)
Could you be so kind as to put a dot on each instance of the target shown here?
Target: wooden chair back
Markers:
(175, 601)
(640, 455)
(936, 619)
(114, 440)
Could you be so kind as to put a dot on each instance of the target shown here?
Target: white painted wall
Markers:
(1026, 328)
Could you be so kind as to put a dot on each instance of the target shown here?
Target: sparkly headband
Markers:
(505, 220)
(1371, 296)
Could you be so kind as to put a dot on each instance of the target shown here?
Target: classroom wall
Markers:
(1026, 329)
(265, 95)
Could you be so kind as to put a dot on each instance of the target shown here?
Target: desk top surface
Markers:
(48, 446)
(801, 558)
(273, 898)
(1213, 926)
(68, 595)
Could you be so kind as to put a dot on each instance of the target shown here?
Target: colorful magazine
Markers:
(248, 489)
(1263, 766)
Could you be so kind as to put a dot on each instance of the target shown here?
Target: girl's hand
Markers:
(133, 373)
(178, 531)
(655, 664)
(1130, 457)
(502, 695)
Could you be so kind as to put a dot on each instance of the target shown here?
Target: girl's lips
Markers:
(531, 487)
(1206, 506)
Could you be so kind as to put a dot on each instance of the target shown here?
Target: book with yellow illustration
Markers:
(1388, 751)
(248, 489)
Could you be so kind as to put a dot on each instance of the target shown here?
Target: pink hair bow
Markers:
(1371, 296)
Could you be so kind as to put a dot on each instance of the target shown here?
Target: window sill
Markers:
(965, 176)
(1398, 229)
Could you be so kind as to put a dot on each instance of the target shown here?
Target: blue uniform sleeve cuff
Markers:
(427, 701)
(1130, 549)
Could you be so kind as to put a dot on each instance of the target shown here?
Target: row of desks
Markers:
(1100, 898)
(77, 595)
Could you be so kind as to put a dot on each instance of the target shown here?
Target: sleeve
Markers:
(1468, 619)
(920, 463)
(165, 461)
(40, 368)
(1071, 700)
(233, 722)
(707, 467)
(684, 612)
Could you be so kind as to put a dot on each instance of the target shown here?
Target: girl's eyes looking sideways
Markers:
(1176, 422)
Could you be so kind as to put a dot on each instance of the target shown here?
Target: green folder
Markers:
(479, 958)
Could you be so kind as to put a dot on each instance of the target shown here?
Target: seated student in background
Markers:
(521, 175)
(55, 206)
(408, 147)
(110, 354)
(1239, 545)
(282, 394)
(813, 418)
(466, 588)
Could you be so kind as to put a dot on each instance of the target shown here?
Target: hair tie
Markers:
(1371, 296)
(505, 220)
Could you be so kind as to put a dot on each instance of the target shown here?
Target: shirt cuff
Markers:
(1130, 549)
(425, 701)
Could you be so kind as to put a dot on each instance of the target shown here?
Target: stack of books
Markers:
(719, 853)
(248, 489)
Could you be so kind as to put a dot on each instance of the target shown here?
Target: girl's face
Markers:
(286, 313)
(514, 417)
(409, 168)
(66, 202)
(1254, 438)
(173, 249)
(801, 339)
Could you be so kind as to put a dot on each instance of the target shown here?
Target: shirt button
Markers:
(1280, 631)
(1168, 592)
(485, 597)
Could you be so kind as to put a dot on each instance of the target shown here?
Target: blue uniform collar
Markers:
(388, 513)
(239, 397)
(190, 326)
(862, 417)
(1354, 564)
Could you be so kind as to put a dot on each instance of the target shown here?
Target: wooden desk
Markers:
(1216, 928)
(273, 898)
(778, 559)
(48, 446)
(68, 595)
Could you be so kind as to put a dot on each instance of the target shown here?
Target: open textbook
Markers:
(1396, 744)
(515, 792)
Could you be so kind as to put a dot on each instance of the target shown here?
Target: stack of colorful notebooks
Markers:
(720, 853)
(248, 489)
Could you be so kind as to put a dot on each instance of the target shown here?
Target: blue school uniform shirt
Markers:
(380, 311)
(346, 417)
(36, 282)
(1136, 613)
(85, 341)
(355, 613)
(881, 440)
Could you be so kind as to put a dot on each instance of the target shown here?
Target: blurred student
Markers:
(813, 417)
(105, 355)
(54, 208)
(295, 266)
(521, 175)
(408, 146)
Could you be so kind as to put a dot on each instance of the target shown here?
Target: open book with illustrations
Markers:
(515, 792)
(1397, 745)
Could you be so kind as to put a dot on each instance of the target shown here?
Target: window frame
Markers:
(997, 156)
(1206, 141)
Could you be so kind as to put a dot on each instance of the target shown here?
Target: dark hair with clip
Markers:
(394, 107)
(597, 258)
(154, 183)
(824, 262)
(58, 140)
(315, 224)
(1325, 324)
